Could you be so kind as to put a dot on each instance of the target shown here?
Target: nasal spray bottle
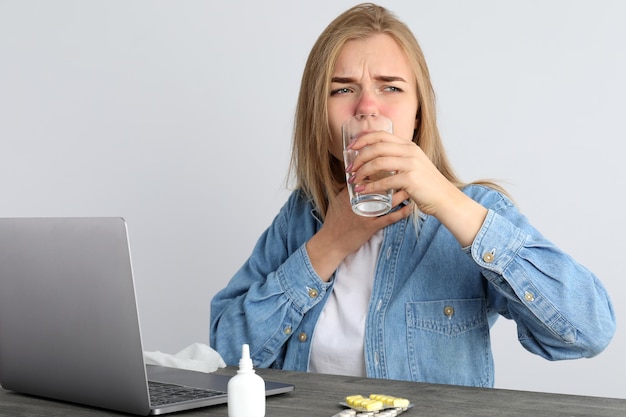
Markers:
(246, 390)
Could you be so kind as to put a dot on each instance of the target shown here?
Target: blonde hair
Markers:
(317, 172)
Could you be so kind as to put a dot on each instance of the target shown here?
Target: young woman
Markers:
(412, 294)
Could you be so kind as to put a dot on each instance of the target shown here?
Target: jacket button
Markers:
(313, 293)
(488, 257)
(287, 330)
(528, 296)
(448, 311)
(302, 337)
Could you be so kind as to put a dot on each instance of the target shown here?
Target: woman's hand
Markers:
(344, 231)
(419, 178)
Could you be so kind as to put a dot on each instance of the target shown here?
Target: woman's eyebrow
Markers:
(389, 78)
(386, 78)
(342, 80)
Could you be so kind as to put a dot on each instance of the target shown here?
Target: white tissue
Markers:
(195, 357)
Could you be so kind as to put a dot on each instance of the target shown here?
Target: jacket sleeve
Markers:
(561, 309)
(268, 297)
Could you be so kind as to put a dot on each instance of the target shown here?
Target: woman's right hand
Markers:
(344, 231)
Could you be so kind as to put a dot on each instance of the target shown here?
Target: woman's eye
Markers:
(392, 89)
(343, 90)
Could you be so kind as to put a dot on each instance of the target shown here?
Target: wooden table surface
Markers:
(319, 396)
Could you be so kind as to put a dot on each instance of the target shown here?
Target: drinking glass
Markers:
(372, 204)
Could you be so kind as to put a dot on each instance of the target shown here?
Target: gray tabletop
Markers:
(319, 396)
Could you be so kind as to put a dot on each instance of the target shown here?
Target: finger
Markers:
(396, 215)
(386, 156)
(372, 138)
(399, 197)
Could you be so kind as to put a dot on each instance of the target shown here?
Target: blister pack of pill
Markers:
(376, 405)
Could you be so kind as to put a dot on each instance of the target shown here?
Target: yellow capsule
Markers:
(351, 399)
(372, 405)
(391, 401)
(400, 402)
(380, 397)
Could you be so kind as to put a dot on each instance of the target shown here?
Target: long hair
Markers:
(317, 172)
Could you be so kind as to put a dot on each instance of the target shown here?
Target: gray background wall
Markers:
(177, 116)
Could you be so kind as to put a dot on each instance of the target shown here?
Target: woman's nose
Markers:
(367, 103)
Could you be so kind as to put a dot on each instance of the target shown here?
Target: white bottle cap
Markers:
(245, 363)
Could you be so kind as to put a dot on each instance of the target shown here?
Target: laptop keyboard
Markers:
(162, 393)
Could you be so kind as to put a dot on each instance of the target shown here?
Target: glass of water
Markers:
(374, 204)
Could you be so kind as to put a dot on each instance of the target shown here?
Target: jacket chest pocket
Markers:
(449, 342)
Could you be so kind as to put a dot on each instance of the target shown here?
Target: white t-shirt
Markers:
(338, 340)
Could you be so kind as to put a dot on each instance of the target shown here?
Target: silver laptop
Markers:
(69, 325)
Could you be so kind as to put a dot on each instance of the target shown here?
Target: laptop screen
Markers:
(69, 323)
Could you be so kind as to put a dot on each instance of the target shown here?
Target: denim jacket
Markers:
(433, 301)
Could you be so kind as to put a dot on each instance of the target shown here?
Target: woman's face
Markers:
(372, 76)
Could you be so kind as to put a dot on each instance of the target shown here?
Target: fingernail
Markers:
(359, 188)
(351, 179)
(349, 167)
